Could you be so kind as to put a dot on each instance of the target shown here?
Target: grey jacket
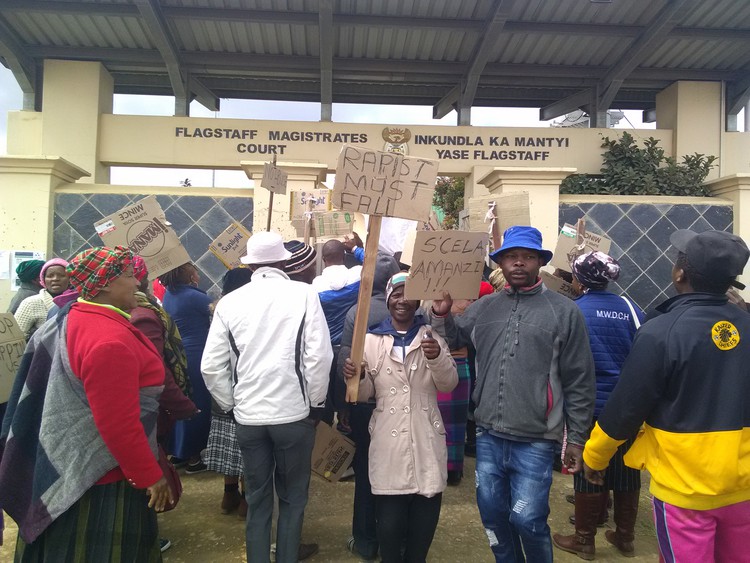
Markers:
(534, 365)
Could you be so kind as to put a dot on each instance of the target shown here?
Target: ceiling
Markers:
(557, 55)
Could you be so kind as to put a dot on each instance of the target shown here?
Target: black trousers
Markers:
(363, 516)
(406, 526)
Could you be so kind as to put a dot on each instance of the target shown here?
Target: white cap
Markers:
(265, 247)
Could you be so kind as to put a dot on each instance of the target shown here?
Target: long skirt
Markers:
(223, 453)
(110, 523)
(189, 437)
(618, 477)
(454, 408)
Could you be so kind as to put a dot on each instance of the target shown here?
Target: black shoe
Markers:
(164, 544)
(454, 478)
(193, 468)
(470, 450)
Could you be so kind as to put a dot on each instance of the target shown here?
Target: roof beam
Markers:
(204, 95)
(19, 62)
(325, 42)
(571, 103)
(467, 88)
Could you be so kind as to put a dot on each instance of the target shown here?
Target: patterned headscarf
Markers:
(393, 283)
(595, 269)
(48, 264)
(93, 269)
(140, 270)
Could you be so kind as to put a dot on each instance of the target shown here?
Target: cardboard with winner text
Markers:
(384, 183)
(143, 228)
(274, 179)
(231, 245)
(12, 345)
(566, 251)
(558, 285)
(451, 261)
(332, 453)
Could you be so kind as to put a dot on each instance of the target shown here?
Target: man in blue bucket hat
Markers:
(535, 374)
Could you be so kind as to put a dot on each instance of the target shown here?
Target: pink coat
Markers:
(407, 449)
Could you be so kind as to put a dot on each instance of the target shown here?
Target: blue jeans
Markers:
(513, 483)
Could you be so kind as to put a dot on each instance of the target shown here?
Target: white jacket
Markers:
(336, 277)
(283, 347)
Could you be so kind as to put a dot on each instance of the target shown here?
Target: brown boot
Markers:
(626, 512)
(231, 501)
(606, 501)
(242, 509)
(588, 506)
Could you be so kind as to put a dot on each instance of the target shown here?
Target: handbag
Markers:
(172, 478)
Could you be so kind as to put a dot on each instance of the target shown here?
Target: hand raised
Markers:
(442, 306)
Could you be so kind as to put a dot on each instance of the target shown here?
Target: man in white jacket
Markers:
(267, 359)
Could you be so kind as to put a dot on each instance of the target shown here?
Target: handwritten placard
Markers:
(451, 261)
(231, 245)
(558, 285)
(274, 179)
(383, 183)
(566, 249)
(12, 345)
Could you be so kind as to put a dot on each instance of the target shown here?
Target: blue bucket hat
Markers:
(522, 237)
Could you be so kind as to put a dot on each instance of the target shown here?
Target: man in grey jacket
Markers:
(535, 374)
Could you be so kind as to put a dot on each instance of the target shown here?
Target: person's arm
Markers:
(442, 367)
(109, 372)
(216, 365)
(149, 324)
(455, 330)
(27, 315)
(317, 353)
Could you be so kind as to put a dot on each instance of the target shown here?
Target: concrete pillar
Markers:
(543, 186)
(27, 189)
(76, 94)
(737, 189)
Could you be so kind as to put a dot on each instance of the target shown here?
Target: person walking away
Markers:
(535, 373)
(612, 322)
(404, 366)
(684, 389)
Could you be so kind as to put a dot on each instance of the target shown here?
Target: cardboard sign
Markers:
(274, 179)
(385, 184)
(558, 285)
(451, 261)
(332, 453)
(12, 345)
(231, 245)
(566, 251)
(143, 228)
(298, 202)
(511, 209)
(333, 223)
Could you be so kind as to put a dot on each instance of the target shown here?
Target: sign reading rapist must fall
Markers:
(451, 261)
(384, 184)
(143, 228)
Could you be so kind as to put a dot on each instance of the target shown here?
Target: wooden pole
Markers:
(363, 303)
(308, 219)
(270, 203)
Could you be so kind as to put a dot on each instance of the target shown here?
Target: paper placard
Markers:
(274, 179)
(451, 261)
(12, 345)
(565, 251)
(143, 228)
(231, 245)
(384, 183)
(558, 285)
(511, 209)
(332, 453)
(333, 223)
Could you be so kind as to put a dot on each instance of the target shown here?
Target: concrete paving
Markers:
(200, 533)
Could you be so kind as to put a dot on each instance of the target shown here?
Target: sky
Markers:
(11, 99)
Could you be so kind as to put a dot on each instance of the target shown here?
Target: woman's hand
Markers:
(350, 369)
(430, 346)
(159, 495)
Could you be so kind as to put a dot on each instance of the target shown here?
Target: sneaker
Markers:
(307, 550)
(193, 468)
(350, 547)
(164, 544)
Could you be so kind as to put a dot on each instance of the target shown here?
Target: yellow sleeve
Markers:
(600, 448)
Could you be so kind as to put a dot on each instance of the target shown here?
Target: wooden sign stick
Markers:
(270, 202)
(363, 303)
(308, 219)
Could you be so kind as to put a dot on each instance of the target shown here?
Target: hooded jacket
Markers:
(535, 371)
(686, 377)
(408, 453)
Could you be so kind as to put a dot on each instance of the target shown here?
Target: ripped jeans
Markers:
(513, 482)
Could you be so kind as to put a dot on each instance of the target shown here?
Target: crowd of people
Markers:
(125, 378)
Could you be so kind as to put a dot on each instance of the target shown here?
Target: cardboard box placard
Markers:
(384, 183)
(143, 228)
(451, 261)
(558, 285)
(511, 209)
(12, 345)
(333, 223)
(274, 179)
(332, 453)
(231, 245)
(566, 252)
(298, 202)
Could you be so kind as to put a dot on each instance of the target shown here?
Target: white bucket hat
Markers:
(265, 247)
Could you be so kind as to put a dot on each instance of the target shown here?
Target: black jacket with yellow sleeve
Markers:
(688, 377)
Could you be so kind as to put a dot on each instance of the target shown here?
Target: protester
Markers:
(611, 321)
(364, 540)
(80, 431)
(301, 264)
(32, 312)
(277, 332)
(27, 273)
(404, 366)
(685, 385)
(535, 373)
(189, 306)
(223, 453)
